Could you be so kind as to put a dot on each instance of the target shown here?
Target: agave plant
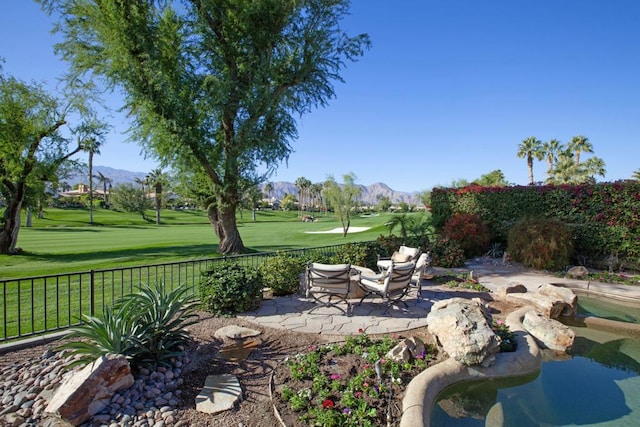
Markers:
(163, 317)
(146, 327)
(113, 332)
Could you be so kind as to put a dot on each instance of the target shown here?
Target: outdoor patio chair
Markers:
(329, 284)
(424, 261)
(391, 285)
(403, 254)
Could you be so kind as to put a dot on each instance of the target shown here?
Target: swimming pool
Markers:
(599, 385)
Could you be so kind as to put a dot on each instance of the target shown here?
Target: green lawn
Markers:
(64, 241)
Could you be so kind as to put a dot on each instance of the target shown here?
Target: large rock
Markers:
(578, 272)
(406, 350)
(551, 306)
(512, 288)
(461, 327)
(548, 332)
(566, 295)
(88, 391)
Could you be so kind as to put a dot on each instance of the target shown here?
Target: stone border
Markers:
(423, 390)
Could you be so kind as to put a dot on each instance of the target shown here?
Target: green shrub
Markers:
(228, 288)
(388, 244)
(146, 327)
(282, 273)
(446, 253)
(540, 243)
(364, 254)
(469, 231)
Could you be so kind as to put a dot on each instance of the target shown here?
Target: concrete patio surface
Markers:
(292, 312)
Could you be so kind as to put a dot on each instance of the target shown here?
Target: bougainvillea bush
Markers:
(604, 217)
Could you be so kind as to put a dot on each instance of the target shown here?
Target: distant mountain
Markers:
(369, 192)
(118, 176)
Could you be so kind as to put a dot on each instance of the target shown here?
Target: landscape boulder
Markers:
(512, 288)
(88, 391)
(406, 350)
(461, 327)
(566, 295)
(549, 333)
(551, 306)
(578, 272)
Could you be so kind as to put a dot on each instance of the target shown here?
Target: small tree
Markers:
(127, 198)
(33, 145)
(343, 198)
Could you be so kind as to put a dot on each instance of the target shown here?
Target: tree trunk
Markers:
(158, 207)
(224, 224)
(90, 187)
(29, 221)
(530, 167)
(11, 225)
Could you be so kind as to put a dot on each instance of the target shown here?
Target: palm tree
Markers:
(142, 182)
(268, 190)
(92, 146)
(530, 148)
(316, 193)
(104, 180)
(156, 179)
(551, 150)
(404, 222)
(592, 167)
(302, 184)
(636, 175)
(580, 144)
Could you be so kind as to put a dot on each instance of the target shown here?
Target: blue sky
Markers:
(448, 90)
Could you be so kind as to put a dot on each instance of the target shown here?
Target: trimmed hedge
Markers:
(604, 217)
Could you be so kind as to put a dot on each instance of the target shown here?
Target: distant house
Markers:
(82, 190)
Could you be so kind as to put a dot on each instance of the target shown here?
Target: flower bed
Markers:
(347, 384)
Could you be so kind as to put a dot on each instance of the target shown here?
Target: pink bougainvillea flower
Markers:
(328, 403)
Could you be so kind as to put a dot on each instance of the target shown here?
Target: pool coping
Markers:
(423, 390)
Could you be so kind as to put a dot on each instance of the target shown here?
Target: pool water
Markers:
(598, 386)
(613, 310)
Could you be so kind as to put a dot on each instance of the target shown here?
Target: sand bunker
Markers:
(339, 230)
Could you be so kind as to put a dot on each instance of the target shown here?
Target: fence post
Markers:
(91, 293)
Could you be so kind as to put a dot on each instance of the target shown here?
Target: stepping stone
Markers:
(235, 332)
(239, 351)
(220, 393)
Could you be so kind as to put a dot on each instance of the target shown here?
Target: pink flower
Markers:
(365, 385)
(358, 394)
(335, 376)
(499, 322)
(360, 330)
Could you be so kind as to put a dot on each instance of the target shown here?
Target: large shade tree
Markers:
(35, 141)
(215, 84)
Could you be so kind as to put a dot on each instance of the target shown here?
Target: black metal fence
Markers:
(44, 304)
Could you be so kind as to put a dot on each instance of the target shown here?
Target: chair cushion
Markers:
(412, 252)
(400, 257)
